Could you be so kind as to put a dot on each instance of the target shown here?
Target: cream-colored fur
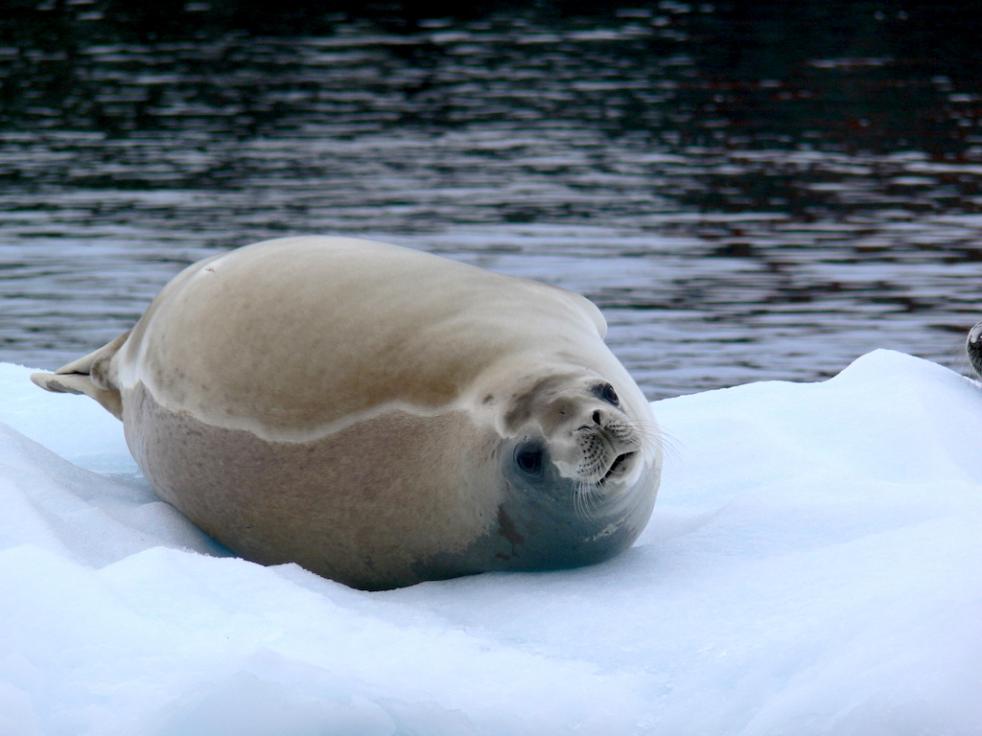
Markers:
(344, 403)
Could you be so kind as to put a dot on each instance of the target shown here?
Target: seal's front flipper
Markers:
(89, 375)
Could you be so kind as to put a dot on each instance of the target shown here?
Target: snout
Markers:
(608, 449)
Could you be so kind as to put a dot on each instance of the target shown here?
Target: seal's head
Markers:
(974, 347)
(580, 460)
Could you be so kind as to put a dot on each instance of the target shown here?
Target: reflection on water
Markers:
(747, 191)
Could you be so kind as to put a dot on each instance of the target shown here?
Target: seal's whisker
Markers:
(643, 429)
(586, 500)
(671, 445)
(578, 502)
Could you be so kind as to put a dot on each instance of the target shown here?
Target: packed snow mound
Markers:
(813, 566)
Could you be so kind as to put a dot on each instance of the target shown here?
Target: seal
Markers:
(973, 346)
(380, 415)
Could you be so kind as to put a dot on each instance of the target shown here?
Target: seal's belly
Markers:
(385, 502)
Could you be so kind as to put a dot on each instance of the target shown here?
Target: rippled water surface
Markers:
(748, 191)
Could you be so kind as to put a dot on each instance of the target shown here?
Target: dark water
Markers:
(748, 191)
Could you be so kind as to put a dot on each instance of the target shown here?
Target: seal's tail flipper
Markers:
(88, 375)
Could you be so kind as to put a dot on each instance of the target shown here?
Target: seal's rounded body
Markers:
(380, 415)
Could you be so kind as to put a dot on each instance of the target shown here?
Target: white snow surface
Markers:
(813, 566)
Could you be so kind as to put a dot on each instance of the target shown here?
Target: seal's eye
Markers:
(606, 392)
(528, 458)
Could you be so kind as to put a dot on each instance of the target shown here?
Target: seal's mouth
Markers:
(621, 461)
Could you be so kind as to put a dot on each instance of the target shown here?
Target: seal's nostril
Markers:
(596, 417)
